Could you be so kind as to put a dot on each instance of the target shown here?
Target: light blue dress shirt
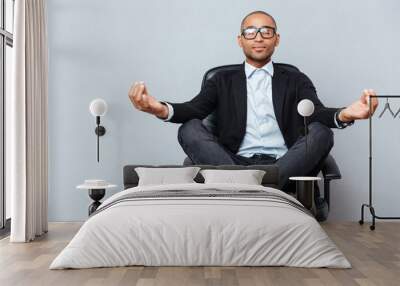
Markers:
(262, 131)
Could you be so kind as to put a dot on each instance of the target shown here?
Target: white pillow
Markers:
(249, 177)
(163, 176)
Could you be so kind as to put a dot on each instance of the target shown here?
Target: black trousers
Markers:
(202, 147)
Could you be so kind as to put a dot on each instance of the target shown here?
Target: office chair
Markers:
(330, 171)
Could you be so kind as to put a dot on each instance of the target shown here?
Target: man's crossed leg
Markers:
(202, 147)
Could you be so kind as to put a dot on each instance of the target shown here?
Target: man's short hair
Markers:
(257, 12)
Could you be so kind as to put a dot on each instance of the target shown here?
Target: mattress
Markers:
(201, 225)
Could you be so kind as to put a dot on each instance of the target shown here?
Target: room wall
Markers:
(98, 48)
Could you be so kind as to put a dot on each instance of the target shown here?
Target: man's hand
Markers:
(143, 101)
(360, 108)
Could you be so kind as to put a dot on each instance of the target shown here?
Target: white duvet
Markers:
(200, 231)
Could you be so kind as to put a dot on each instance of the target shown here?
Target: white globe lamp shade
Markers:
(98, 107)
(305, 107)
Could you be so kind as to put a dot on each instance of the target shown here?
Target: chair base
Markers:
(321, 209)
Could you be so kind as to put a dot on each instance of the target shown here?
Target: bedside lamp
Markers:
(98, 108)
(305, 184)
(305, 108)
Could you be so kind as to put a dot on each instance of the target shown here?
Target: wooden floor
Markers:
(375, 257)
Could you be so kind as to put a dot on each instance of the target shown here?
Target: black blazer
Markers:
(227, 93)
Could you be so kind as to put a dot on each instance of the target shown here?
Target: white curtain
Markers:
(28, 123)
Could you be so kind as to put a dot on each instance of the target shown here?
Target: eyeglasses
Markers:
(266, 32)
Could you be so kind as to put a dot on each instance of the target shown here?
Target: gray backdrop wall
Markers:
(98, 48)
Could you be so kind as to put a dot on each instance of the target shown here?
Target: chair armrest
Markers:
(330, 169)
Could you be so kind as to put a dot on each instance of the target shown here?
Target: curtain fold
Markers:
(28, 122)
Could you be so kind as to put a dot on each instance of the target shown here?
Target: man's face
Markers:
(258, 51)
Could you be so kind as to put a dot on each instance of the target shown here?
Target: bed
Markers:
(201, 224)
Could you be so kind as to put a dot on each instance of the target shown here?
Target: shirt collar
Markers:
(249, 69)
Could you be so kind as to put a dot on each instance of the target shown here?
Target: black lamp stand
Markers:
(100, 131)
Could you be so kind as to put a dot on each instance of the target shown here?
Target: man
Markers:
(257, 121)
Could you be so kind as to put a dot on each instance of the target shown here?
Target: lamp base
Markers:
(100, 130)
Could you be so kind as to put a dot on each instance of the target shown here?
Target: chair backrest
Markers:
(211, 120)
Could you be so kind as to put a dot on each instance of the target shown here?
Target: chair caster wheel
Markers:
(372, 227)
(361, 222)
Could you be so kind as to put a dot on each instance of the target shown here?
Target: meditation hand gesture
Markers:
(143, 101)
(360, 108)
